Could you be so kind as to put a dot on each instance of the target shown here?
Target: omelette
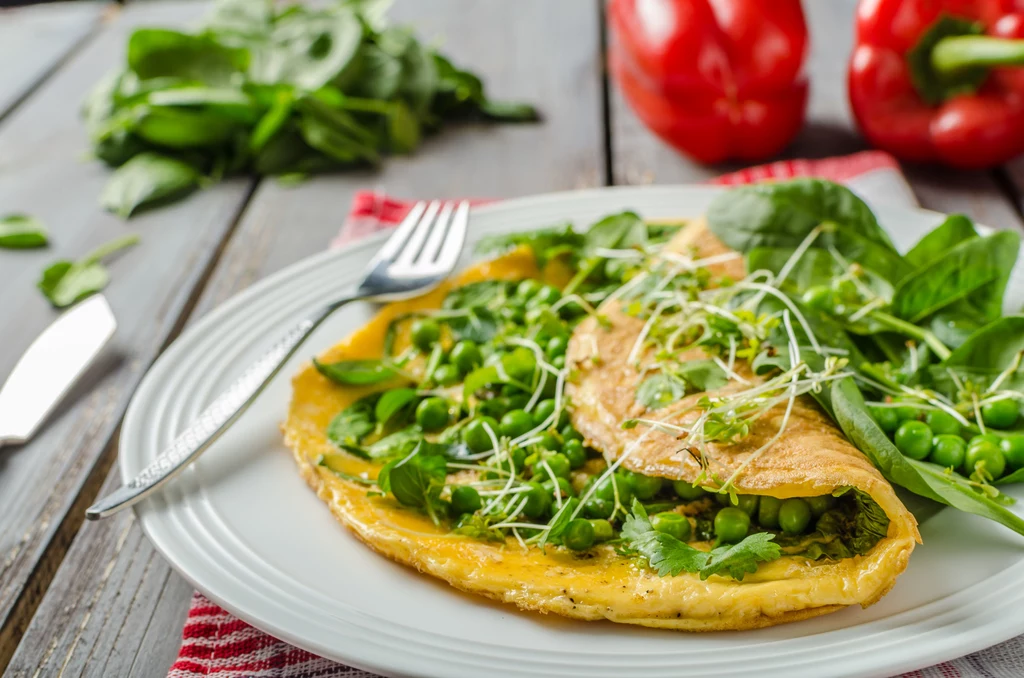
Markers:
(546, 456)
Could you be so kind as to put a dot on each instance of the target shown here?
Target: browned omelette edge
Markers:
(588, 587)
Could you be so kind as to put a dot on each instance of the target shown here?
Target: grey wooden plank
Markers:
(284, 224)
(45, 485)
(35, 39)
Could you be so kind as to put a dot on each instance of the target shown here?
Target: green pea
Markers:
(768, 512)
(603, 530)
(527, 288)
(549, 441)
(543, 410)
(517, 456)
(545, 296)
(644, 487)
(596, 507)
(948, 451)
(747, 503)
(846, 290)
(570, 433)
(475, 434)
(672, 524)
(466, 356)
(909, 411)
(465, 499)
(574, 452)
(558, 362)
(1013, 450)
(1002, 413)
(607, 486)
(513, 312)
(515, 423)
(556, 346)
(985, 456)
(432, 413)
(579, 534)
(820, 503)
(984, 438)
(942, 423)
(494, 407)
(564, 488)
(687, 491)
(446, 375)
(425, 331)
(538, 501)
(558, 463)
(886, 417)
(731, 525)
(520, 364)
(820, 298)
(794, 516)
(914, 439)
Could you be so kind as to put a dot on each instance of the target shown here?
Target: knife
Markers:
(51, 365)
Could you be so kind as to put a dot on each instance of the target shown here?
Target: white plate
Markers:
(247, 531)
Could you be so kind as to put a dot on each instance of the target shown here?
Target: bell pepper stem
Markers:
(965, 51)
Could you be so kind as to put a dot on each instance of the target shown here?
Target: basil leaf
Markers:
(20, 231)
(393, 402)
(147, 179)
(356, 372)
(782, 214)
(65, 282)
(976, 265)
(954, 230)
(354, 422)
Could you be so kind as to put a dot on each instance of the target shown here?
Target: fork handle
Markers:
(213, 421)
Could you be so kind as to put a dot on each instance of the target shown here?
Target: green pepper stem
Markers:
(911, 330)
(965, 51)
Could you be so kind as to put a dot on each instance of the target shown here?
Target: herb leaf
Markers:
(393, 402)
(20, 231)
(356, 372)
(65, 282)
(660, 390)
(954, 230)
(416, 481)
(349, 426)
(738, 560)
(146, 179)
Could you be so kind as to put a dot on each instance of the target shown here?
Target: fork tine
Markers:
(452, 247)
(419, 234)
(434, 242)
(398, 239)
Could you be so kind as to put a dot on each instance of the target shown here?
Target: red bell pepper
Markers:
(931, 80)
(716, 79)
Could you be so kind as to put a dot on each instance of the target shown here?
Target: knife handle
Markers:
(211, 423)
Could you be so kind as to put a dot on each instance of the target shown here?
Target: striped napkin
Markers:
(215, 644)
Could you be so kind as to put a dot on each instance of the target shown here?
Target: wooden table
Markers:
(95, 599)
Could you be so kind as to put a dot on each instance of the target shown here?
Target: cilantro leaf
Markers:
(669, 556)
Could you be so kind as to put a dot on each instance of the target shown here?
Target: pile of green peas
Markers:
(937, 436)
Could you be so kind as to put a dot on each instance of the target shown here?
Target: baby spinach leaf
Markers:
(483, 293)
(546, 243)
(397, 444)
(416, 481)
(673, 382)
(923, 478)
(20, 231)
(182, 128)
(782, 214)
(660, 390)
(992, 348)
(310, 49)
(147, 179)
(966, 268)
(354, 422)
(617, 231)
(158, 52)
(702, 375)
(65, 282)
(356, 372)
(954, 230)
(393, 402)
(479, 325)
(670, 556)
(509, 111)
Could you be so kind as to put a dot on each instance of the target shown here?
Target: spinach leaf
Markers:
(157, 52)
(954, 230)
(616, 231)
(782, 214)
(660, 390)
(336, 465)
(546, 243)
(675, 381)
(923, 478)
(309, 49)
(356, 372)
(416, 481)
(20, 231)
(147, 179)
(482, 293)
(393, 403)
(349, 426)
(702, 375)
(975, 265)
(65, 282)
(480, 325)
(992, 348)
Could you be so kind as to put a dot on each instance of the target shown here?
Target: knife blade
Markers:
(51, 365)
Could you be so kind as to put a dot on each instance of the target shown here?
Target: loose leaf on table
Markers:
(929, 480)
(356, 372)
(147, 179)
(976, 269)
(20, 231)
(65, 282)
(954, 230)
(670, 556)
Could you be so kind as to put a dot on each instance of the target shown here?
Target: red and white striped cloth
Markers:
(218, 645)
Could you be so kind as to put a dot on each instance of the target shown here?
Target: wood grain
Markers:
(45, 485)
(114, 607)
(34, 40)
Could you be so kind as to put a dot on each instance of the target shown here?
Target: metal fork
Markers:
(420, 254)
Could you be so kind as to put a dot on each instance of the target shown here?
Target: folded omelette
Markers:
(636, 564)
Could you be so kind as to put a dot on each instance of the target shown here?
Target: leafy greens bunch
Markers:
(922, 333)
(275, 91)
